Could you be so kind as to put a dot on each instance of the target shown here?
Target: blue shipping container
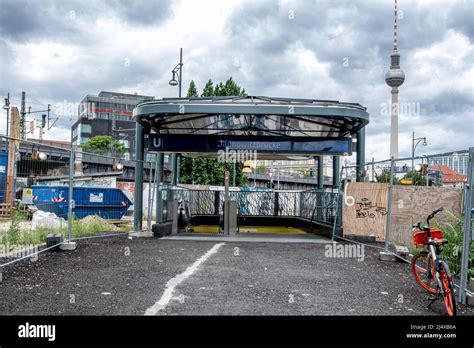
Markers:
(108, 203)
(3, 175)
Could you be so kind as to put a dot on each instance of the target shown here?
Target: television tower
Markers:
(394, 78)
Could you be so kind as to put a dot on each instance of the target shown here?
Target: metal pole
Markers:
(150, 202)
(174, 156)
(71, 191)
(180, 69)
(335, 170)
(320, 172)
(43, 121)
(360, 158)
(389, 205)
(7, 109)
(413, 158)
(233, 174)
(154, 189)
(22, 117)
(373, 170)
(427, 171)
(338, 205)
(467, 228)
(178, 163)
(412, 153)
(278, 178)
(159, 179)
(255, 175)
(174, 163)
(138, 199)
(226, 202)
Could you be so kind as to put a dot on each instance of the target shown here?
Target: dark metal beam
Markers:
(360, 159)
(159, 179)
(138, 201)
(336, 170)
(320, 172)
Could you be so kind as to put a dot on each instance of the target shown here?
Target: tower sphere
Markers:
(395, 77)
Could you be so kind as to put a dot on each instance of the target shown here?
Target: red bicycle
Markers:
(428, 267)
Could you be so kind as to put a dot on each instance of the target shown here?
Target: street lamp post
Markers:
(413, 148)
(6, 107)
(177, 70)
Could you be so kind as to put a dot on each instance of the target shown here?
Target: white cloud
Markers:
(265, 50)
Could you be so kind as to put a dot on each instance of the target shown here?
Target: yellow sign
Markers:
(406, 182)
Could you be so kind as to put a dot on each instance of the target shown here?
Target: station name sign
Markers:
(265, 144)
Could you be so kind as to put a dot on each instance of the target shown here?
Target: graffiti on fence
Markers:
(367, 209)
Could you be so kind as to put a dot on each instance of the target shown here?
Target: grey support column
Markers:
(139, 154)
(335, 170)
(174, 166)
(178, 163)
(159, 179)
(360, 160)
(320, 172)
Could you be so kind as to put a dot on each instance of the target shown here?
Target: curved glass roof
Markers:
(252, 116)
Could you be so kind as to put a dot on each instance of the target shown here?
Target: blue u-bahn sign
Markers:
(264, 144)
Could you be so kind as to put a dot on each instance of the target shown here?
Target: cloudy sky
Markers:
(59, 51)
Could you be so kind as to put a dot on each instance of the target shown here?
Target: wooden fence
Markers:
(365, 208)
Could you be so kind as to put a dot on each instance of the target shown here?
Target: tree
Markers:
(208, 171)
(192, 91)
(384, 177)
(103, 144)
(419, 179)
(208, 90)
(231, 88)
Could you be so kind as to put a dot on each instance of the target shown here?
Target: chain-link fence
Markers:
(396, 194)
(37, 180)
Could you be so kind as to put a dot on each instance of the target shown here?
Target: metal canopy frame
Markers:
(247, 117)
(250, 115)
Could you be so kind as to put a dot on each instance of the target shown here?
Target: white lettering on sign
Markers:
(96, 198)
(157, 142)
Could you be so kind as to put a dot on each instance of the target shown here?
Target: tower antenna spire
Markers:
(394, 78)
(395, 27)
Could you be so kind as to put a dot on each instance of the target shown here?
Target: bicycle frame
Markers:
(434, 254)
(436, 267)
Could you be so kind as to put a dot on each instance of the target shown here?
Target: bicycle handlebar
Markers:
(432, 215)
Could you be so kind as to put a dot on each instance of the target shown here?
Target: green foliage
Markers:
(419, 179)
(208, 171)
(471, 258)
(13, 233)
(192, 91)
(208, 90)
(384, 177)
(452, 252)
(80, 228)
(101, 144)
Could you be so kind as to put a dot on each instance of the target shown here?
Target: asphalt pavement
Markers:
(212, 276)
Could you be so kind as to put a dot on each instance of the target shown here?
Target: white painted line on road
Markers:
(252, 239)
(174, 282)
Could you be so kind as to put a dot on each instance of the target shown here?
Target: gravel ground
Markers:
(121, 276)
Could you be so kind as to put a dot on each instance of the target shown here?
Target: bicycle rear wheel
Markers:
(448, 292)
(423, 271)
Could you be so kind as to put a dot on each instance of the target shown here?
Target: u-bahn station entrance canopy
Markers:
(276, 128)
